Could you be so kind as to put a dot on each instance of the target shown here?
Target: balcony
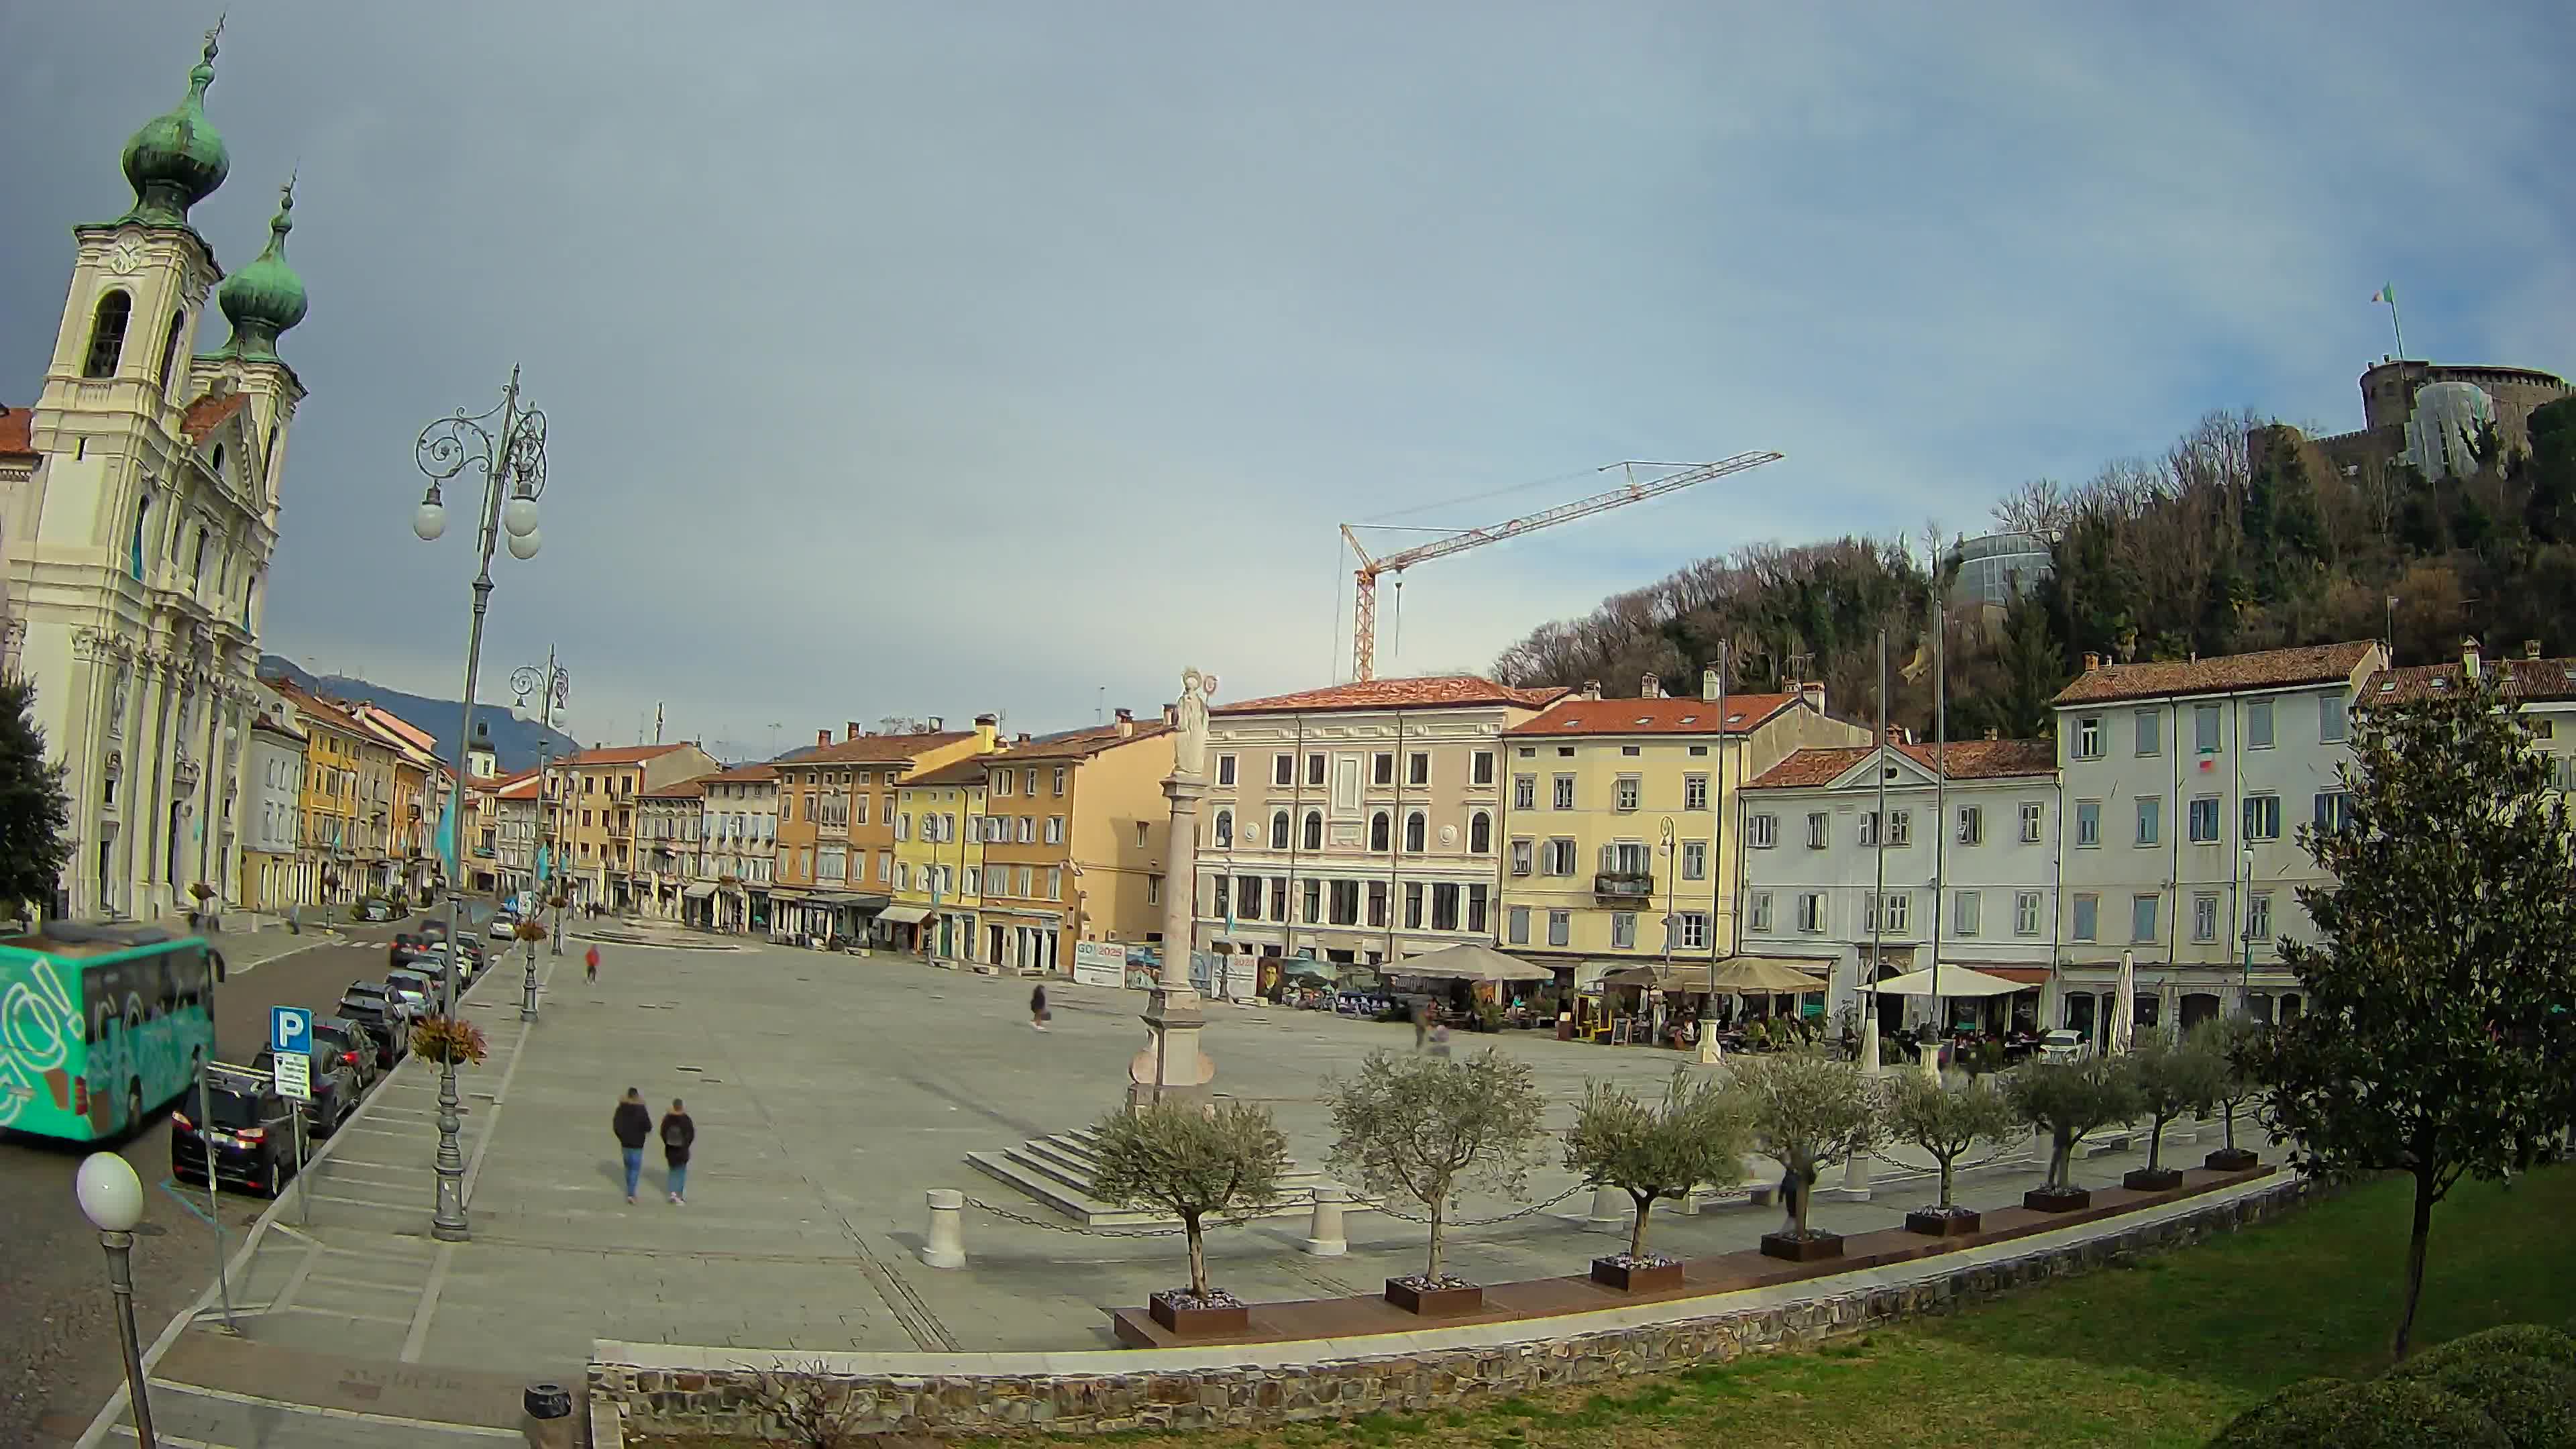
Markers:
(1622, 885)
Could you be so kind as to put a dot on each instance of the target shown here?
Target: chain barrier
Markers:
(1536, 1207)
(1355, 1203)
(1024, 1220)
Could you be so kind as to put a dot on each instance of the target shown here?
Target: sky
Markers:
(932, 359)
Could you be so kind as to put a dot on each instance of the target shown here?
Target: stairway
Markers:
(1058, 1172)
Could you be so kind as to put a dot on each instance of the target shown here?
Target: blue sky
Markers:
(931, 359)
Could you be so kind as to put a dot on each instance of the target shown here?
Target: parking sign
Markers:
(290, 1029)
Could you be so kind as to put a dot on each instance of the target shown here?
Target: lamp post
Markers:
(508, 444)
(554, 686)
(111, 1197)
(2245, 928)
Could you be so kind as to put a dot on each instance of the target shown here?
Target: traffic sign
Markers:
(294, 1071)
(290, 1029)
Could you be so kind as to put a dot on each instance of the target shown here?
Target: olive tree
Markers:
(1193, 1162)
(1809, 1112)
(2070, 1101)
(1650, 1151)
(2233, 1042)
(1946, 1123)
(2173, 1077)
(1429, 1128)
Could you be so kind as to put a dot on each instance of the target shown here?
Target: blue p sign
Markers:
(290, 1030)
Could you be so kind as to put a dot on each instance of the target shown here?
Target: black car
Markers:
(334, 1083)
(340, 1037)
(406, 948)
(244, 1119)
(369, 1005)
(433, 928)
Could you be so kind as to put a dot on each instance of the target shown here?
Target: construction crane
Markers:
(1364, 607)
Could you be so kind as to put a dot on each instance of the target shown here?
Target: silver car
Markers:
(2064, 1045)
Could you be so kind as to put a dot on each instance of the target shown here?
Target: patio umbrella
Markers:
(2124, 1009)
(1468, 962)
(1754, 975)
(1955, 981)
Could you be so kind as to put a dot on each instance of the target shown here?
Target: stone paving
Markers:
(830, 1091)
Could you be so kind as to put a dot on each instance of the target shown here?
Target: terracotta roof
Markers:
(1665, 716)
(17, 433)
(968, 771)
(1968, 760)
(874, 749)
(619, 755)
(522, 788)
(688, 789)
(745, 774)
(326, 711)
(1079, 744)
(1426, 692)
(277, 726)
(2523, 679)
(209, 412)
(2269, 669)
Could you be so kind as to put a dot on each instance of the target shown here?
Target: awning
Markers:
(700, 891)
(1755, 975)
(1468, 962)
(904, 915)
(1657, 975)
(1955, 981)
(2028, 976)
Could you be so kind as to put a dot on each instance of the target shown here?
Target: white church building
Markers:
(138, 513)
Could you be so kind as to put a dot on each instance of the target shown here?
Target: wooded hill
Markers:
(2240, 536)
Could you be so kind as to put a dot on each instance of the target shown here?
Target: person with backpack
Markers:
(590, 964)
(678, 1132)
(632, 1124)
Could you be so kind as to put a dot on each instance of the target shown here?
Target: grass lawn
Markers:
(2158, 1353)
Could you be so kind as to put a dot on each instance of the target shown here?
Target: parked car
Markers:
(416, 989)
(335, 1089)
(236, 1129)
(406, 948)
(351, 1043)
(384, 1016)
(2064, 1045)
(505, 927)
(434, 927)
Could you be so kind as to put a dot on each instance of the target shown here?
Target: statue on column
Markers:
(1189, 751)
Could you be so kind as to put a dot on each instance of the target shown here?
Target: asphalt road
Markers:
(58, 1352)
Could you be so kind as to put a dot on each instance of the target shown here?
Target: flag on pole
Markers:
(447, 837)
(2387, 294)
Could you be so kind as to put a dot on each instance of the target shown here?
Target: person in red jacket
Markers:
(590, 964)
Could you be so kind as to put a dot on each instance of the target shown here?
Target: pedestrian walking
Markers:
(590, 963)
(1038, 1007)
(632, 1124)
(678, 1132)
(1440, 1037)
(1793, 1184)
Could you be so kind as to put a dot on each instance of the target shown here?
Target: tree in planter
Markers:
(1194, 1163)
(2234, 1041)
(2070, 1101)
(1809, 1112)
(1428, 1128)
(2430, 1045)
(34, 812)
(1945, 1123)
(2173, 1077)
(1696, 1135)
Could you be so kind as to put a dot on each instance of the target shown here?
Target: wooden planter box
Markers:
(2160, 1179)
(1434, 1302)
(1932, 1224)
(1802, 1250)
(1657, 1278)
(1193, 1321)
(2231, 1159)
(2057, 1199)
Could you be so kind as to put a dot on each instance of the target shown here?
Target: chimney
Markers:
(850, 729)
(1708, 685)
(1813, 692)
(1651, 687)
(2469, 658)
(822, 737)
(1124, 715)
(988, 729)
(2092, 661)
(2530, 648)
(938, 724)
(1022, 739)
(1127, 720)
(1591, 689)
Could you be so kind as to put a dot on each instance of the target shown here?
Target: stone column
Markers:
(1856, 1168)
(1171, 1066)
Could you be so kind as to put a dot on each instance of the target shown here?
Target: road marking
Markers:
(427, 1309)
(295, 1280)
(357, 1416)
(127, 1431)
(387, 1207)
(344, 1315)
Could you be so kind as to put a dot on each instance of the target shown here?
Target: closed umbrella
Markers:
(2124, 1009)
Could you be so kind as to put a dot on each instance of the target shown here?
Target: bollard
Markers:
(1324, 1236)
(548, 1422)
(946, 1246)
(1611, 1207)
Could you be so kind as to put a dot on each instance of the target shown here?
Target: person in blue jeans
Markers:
(678, 1132)
(632, 1124)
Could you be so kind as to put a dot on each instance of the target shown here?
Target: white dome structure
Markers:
(2443, 432)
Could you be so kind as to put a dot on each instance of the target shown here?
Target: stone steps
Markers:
(1058, 1172)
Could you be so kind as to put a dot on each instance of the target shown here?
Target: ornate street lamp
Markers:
(508, 444)
(553, 687)
(111, 1197)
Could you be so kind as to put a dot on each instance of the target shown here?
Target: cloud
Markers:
(935, 359)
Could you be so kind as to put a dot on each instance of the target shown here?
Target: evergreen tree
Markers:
(34, 813)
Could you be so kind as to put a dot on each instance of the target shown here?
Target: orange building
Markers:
(1074, 832)
(838, 823)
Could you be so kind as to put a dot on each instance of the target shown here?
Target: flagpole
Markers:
(2388, 294)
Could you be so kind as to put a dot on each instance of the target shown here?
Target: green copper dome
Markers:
(177, 160)
(264, 298)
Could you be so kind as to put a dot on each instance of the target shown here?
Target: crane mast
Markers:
(1364, 604)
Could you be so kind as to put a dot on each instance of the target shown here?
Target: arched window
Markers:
(170, 353)
(107, 335)
(142, 514)
(1416, 825)
(1225, 829)
(1314, 830)
(1278, 830)
(1381, 830)
(1480, 833)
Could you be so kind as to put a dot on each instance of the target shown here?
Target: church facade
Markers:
(139, 506)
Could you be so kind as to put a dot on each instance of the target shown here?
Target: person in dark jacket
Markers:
(632, 1124)
(1038, 1007)
(677, 1133)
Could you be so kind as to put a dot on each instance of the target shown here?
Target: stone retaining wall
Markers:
(720, 1397)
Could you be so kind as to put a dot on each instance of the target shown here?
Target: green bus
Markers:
(101, 1024)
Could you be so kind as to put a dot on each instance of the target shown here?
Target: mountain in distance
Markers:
(516, 741)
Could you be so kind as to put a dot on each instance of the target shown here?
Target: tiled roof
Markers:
(520, 787)
(319, 709)
(2269, 669)
(209, 412)
(1968, 760)
(689, 789)
(1079, 744)
(1427, 692)
(745, 774)
(1662, 716)
(17, 433)
(275, 726)
(874, 749)
(619, 755)
(2523, 679)
(968, 771)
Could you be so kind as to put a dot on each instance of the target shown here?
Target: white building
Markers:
(2545, 688)
(738, 845)
(2185, 784)
(139, 520)
(514, 831)
(1969, 868)
(275, 873)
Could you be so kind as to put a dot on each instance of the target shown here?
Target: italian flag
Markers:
(2387, 294)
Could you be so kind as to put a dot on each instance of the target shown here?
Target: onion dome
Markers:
(178, 159)
(264, 298)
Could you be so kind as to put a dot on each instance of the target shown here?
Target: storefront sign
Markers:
(1100, 963)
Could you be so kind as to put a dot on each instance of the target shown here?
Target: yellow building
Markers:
(1619, 813)
(341, 757)
(939, 860)
(1074, 833)
(593, 797)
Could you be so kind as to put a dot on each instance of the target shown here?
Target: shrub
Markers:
(2530, 1395)
(2174, 1078)
(2070, 1101)
(2382, 1414)
(442, 1040)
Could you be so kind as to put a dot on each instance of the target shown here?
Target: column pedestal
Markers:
(1172, 1067)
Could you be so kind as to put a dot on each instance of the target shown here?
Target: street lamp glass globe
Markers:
(519, 516)
(429, 520)
(111, 1196)
(524, 545)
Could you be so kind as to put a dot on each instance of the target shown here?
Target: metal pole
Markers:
(1878, 836)
(1940, 795)
(303, 1189)
(120, 1281)
(214, 1201)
